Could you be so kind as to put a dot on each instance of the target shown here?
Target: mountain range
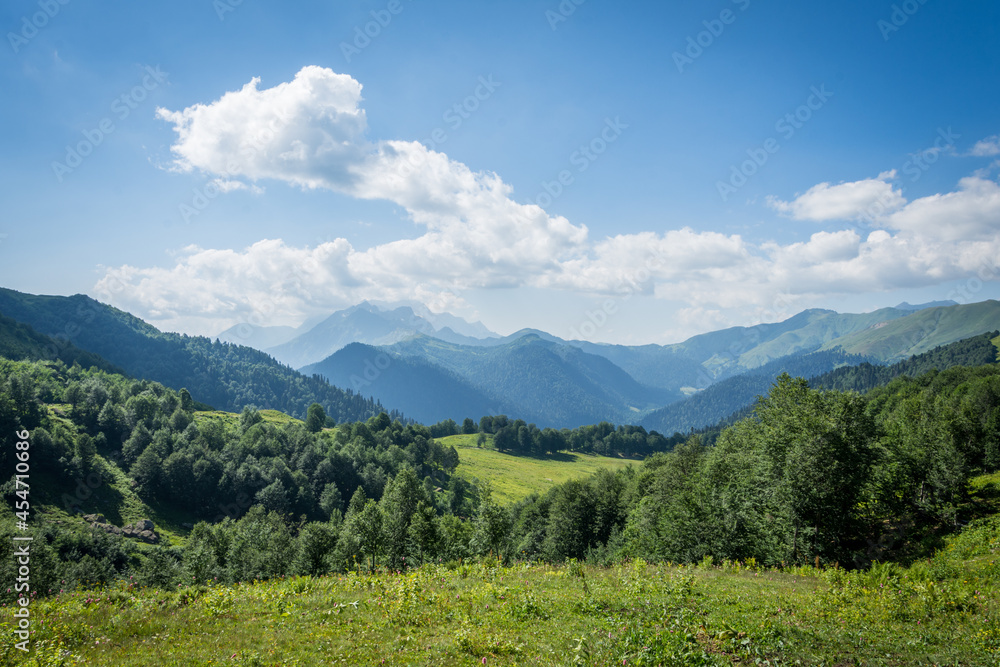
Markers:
(426, 367)
(554, 382)
(364, 323)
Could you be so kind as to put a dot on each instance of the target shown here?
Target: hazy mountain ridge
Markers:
(368, 324)
(19, 342)
(531, 378)
(729, 367)
(530, 374)
(425, 392)
(708, 407)
(922, 331)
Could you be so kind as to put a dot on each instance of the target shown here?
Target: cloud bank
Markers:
(312, 132)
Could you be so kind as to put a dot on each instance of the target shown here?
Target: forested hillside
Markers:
(733, 399)
(223, 375)
(922, 331)
(19, 341)
(423, 391)
(976, 351)
(813, 474)
(538, 380)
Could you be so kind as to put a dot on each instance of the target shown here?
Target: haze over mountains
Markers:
(364, 323)
(432, 372)
(430, 367)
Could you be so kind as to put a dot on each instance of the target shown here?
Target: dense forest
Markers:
(812, 474)
(20, 341)
(863, 377)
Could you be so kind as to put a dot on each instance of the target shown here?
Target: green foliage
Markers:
(491, 527)
(315, 418)
(731, 399)
(715, 403)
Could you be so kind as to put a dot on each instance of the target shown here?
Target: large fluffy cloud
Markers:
(970, 213)
(312, 132)
(845, 201)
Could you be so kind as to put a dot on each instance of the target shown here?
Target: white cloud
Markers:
(987, 147)
(308, 131)
(971, 212)
(311, 132)
(866, 199)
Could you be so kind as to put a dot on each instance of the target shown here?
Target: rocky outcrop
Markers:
(140, 530)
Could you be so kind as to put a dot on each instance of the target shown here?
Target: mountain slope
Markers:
(722, 399)
(979, 350)
(542, 380)
(423, 391)
(708, 358)
(259, 338)
(830, 326)
(20, 342)
(922, 331)
(224, 375)
(974, 352)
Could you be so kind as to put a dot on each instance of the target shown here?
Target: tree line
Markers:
(812, 474)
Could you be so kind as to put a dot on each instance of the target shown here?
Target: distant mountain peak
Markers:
(375, 324)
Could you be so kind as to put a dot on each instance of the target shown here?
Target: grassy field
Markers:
(941, 612)
(271, 416)
(944, 610)
(514, 477)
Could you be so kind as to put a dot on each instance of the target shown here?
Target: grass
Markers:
(231, 418)
(512, 477)
(515, 477)
(942, 612)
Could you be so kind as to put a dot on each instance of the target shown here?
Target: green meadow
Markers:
(944, 611)
(514, 477)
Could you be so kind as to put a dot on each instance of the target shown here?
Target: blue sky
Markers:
(722, 162)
